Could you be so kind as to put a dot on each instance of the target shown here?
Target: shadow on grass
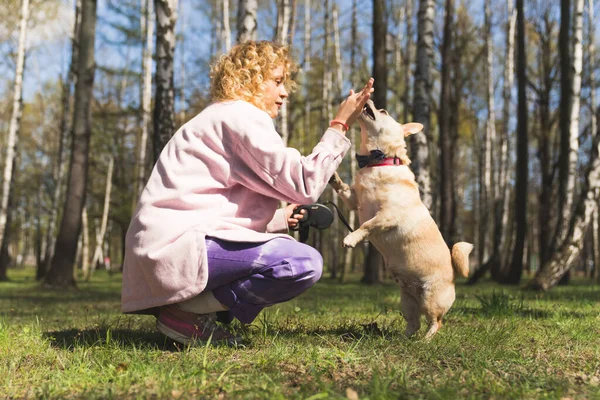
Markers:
(70, 339)
(523, 313)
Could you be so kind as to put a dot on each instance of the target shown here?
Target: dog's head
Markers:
(379, 131)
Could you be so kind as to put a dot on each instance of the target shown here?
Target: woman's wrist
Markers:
(339, 125)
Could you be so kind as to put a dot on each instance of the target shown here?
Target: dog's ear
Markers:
(411, 128)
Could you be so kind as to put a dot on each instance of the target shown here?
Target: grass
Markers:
(335, 341)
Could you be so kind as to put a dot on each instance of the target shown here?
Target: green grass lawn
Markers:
(335, 341)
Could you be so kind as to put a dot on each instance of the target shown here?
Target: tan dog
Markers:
(399, 225)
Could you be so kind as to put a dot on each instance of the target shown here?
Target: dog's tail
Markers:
(460, 258)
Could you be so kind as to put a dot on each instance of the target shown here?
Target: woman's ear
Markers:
(411, 128)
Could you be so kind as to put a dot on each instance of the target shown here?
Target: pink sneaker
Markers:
(187, 327)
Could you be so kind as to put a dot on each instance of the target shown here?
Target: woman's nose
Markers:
(283, 92)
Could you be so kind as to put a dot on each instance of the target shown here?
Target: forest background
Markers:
(91, 91)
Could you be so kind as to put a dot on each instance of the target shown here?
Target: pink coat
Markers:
(222, 174)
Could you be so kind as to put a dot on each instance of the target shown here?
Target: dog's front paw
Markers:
(352, 240)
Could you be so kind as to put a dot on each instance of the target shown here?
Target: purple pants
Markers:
(247, 277)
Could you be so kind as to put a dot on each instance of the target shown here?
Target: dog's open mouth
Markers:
(368, 111)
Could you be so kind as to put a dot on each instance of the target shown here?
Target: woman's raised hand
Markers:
(353, 105)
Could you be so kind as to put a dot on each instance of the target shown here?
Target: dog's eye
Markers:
(384, 112)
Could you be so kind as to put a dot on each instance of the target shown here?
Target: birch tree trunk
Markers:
(15, 119)
(61, 269)
(499, 258)
(59, 166)
(566, 87)
(513, 275)
(283, 23)
(421, 102)
(246, 20)
(307, 67)
(98, 255)
(568, 253)
(164, 99)
(84, 244)
(445, 137)
(226, 27)
(5, 260)
(408, 14)
(593, 128)
(349, 252)
(147, 21)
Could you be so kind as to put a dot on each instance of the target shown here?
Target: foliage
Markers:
(329, 342)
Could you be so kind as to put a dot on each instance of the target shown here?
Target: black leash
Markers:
(341, 216)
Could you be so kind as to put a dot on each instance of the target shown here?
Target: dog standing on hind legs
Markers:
(393, 218)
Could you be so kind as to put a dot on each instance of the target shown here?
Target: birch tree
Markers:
(571, 234)
(282, 34)
(566, 156)
(447, 206)
(59, 166)
(246, 20)
(594, 130)
(487, 192)
(421, 102)
(513, 274)
(349, 252)
(15, 119)
(98, 254)
(147, 22)
(373, 272)
(408, 14)
(226, 28)
(61, 269)
(307, 67)
(164, 99)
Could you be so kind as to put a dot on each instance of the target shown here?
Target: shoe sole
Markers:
(172, 334)
(185, 340)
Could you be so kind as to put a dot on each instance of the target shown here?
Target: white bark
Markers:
(592, 57)
(181, 48)
(164, 102)
(226, 28)
(421, 101)
(339, 82)
(283, 23)
(147, 20)
(307, 66)
(15, 119)
(284, 11)
(398, 64)
(509, 76)
(85, 244)
(490, 137)
(575, 108)
(246, 20)
(106, 209)
(408, 57)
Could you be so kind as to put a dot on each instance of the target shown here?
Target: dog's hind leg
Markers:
(346, 193)
(411, 313)
(435, 323)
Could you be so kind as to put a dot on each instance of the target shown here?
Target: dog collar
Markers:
(387, 161)
(376, 158)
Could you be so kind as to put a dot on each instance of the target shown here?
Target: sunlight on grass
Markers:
(496, 342)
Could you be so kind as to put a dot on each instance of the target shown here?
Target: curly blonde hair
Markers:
(240, 74)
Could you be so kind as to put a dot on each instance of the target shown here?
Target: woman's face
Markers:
(274, 93)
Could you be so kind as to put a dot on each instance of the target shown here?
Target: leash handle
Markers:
(341, 216)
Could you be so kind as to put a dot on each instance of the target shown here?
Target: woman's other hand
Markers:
(293, 219)
(353, 105)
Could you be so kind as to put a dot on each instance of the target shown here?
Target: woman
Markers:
(206, 235)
